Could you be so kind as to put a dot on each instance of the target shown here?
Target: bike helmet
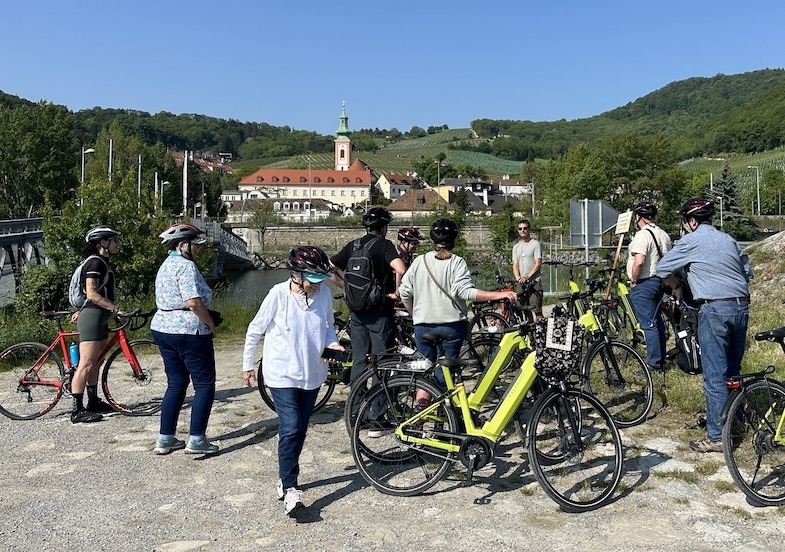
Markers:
(98, 233)
(376, 217)
(699, 208)
(645, 209)
(410, 234)
(311, 261)
(182, 232)
(444, 231)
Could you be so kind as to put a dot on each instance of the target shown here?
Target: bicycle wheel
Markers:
(394, 467)
(325, 391)
(135, 386)
(619, 377)
(754, 452)
(30, 381)
(359, 390)
(484, 323)
(583, 449)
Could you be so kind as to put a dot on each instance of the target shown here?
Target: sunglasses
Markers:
(520, 228)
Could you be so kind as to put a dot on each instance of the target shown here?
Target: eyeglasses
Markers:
(522, 228)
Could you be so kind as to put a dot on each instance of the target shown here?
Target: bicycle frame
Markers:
(492, 428)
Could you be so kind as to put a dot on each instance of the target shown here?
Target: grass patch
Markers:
(527, 490)
(708, 468)
(725, 486)
(643, 487)
(742, 513)
(682, 475)
(681, 500)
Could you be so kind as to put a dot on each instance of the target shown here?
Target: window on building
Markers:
(345, 180)
(303, 179)
(343, 153)
(286, 179)
(277, 206)
(286, 206)
(295, 206)
(330, 179)
(358, 180)
(294, 193)
(259, 179)
(317, 179)
(343, 192)
(352, 193)
(324, 193)
(362, 193)
(275, 179)
(307, 206)
(332, 192)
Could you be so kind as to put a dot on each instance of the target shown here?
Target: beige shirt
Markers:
(643, 244)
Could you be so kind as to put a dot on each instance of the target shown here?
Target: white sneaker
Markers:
(279, 492)
(292, 502)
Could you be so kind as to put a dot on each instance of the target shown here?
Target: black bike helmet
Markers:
(699, 208)
(376, 217)
(98, 233)
(410, 234)
(444, 231)
(311, 261)
(645, 209)
(182, 231)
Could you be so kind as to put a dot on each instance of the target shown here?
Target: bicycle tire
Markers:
(385, 462)
(618, 376)
(589, 451)
(755, 460)
(132, 392)
(38, 394)
(359, 389)
(484, 323)
(325, 391)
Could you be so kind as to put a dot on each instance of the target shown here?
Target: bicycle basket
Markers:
(558, 342)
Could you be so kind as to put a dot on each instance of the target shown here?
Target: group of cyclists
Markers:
(296, 316)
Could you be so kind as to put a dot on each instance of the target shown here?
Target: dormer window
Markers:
(275, 179)
(259, 179)
(358, 180)
(330, 179)
(286, 179)
(317, 179)
(303, 179)
(345, 180)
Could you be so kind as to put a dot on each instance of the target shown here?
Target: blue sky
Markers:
(396, 64)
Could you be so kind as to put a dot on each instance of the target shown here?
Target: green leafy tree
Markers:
(262, 218)
(503, 228)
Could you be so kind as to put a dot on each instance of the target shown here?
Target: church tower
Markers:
(343, 144)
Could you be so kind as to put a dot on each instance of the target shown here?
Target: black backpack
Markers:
(362, 291)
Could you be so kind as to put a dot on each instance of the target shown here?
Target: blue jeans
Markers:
(451, 348)
(294, 408)
(186, 358)
(722, 333)
(372, 332)
(646, 297)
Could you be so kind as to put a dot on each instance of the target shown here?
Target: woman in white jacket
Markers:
(296, 317)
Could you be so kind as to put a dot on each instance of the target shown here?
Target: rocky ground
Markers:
(99, 487)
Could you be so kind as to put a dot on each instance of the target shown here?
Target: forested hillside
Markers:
(724, 113)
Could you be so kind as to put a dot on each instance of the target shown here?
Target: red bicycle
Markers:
(33, 376)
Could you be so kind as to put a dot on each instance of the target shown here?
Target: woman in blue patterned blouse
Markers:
(184, 331)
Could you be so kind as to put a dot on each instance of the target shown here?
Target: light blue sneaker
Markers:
(167, 445)
(202, 446)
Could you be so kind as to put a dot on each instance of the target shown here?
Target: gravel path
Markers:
(99, 487)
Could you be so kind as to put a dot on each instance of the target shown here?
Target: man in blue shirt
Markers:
(718, 273)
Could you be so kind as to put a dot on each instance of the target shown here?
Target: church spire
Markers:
(343, 125)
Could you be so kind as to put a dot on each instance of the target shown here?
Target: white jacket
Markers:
(295, 335)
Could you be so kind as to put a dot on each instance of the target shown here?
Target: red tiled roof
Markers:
(419, 200)
(298, 177)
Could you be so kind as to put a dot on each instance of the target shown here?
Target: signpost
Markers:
(623, 223)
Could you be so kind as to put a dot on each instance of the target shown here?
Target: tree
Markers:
(262, 218)
(732, 219)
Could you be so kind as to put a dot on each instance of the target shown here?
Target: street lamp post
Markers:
(164, 183)
(310, 195)
(757, 182)
(85, 152)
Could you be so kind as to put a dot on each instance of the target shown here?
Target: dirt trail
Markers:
(100, 487)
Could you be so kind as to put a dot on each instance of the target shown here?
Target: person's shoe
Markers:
(200, 447)
(165, 446)
(292, 502)
(82, 416)
(380, 429)
(706, 445)
(99, 406)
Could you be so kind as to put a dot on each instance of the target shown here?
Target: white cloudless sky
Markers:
(396, 64)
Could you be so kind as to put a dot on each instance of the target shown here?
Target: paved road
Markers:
(99, 487)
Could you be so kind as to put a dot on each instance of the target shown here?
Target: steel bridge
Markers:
(21, 246)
